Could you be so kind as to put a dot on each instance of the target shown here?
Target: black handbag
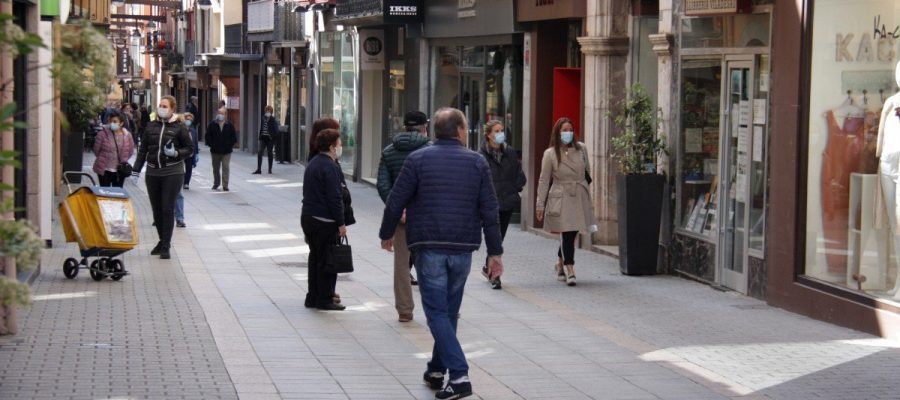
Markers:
(123, 169)
(340, 257)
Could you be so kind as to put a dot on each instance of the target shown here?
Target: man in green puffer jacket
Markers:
(392, 158)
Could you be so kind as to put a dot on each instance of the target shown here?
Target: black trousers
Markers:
(284, 148)
(265, 145)
(505, 216)
(188, 170)
(567, 248)
(111, 179)
(321, 285)
(163, 191)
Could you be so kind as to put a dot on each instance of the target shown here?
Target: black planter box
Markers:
(640, 198)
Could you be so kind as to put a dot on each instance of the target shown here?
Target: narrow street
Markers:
(224, 319)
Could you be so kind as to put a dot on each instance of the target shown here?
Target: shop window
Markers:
(337, 89)
(397, 85)
(645, 63)
(700, 112)
(742, 30)
(445, 77)
(851, 194)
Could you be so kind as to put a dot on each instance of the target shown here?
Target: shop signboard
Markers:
(123, 62)
(371, 49)
(402, 11)
(716, 7)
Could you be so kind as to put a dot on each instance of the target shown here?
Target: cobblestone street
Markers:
(225, 319)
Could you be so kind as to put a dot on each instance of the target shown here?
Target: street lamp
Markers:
(204, 4)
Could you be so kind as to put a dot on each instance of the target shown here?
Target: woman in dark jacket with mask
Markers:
(507, 175)
(164, 148)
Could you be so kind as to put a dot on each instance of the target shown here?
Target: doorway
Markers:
(472, 92)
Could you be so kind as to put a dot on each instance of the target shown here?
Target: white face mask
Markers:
(164, 112)
(338, 151)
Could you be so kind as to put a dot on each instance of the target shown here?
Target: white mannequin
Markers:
(889, 168)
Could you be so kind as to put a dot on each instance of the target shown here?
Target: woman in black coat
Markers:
(164, 148)
(268, 133)
(507, 175)
(322, 218)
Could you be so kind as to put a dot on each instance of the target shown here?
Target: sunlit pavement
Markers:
(225, 319)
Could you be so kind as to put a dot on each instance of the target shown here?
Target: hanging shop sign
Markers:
(402, 11)
(466, 9)
(717, 7)
(123, 62)
(371, 49)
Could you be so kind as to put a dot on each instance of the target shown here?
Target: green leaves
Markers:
(639, 144)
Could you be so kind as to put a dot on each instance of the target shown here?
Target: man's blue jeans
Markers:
(179, 206)
(442, 278)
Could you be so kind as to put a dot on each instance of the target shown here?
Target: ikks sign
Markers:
(402, 11)
(716, 7)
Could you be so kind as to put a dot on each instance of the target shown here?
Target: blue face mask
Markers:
(500, 137)
(188, 123)
(220, 117)
(114, 127)
(567, 137)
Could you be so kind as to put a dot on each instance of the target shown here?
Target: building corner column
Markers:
(606, 47)
(667, 111)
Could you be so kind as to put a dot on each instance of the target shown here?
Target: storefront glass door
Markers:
(735, 170)
(472, 89)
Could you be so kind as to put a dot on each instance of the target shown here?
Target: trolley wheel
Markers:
(96, 267)
(117, 267)
(70, 268)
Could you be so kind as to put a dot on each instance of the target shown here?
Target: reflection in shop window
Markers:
(851, 199)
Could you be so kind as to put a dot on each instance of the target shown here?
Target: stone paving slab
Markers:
(143, 337)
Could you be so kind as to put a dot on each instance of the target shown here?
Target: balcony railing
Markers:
(234, 35)
(288, 24)
(346, 9)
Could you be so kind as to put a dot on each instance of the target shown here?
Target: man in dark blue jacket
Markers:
(449, 199)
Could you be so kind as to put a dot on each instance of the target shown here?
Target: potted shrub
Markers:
(639, 186)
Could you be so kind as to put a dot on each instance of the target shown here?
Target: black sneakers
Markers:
(164, 252)
(180, 224)
(454, 391)
(434, 380)
(155, 251)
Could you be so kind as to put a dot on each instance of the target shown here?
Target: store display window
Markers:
(338, 88)
(854, 146)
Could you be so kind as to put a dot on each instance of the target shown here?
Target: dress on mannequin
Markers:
(889, 153)
(841, 158)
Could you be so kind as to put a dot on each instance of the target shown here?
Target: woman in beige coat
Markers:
(563, 198)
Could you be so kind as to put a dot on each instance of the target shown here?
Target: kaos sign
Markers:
(881, 45)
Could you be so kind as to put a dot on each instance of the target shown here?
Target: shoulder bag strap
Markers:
(115, 142)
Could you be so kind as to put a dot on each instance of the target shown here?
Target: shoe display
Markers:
(454, 391)
(180, 224)
(155, 251)
(434, 380)
(257, 172)
(332, 307)
(405, 317)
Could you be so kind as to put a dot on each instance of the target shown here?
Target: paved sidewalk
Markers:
(236, 287)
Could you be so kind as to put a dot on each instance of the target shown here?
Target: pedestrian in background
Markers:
(164, 148)
(189, 165)
(320, 125)
(449, 200)
(507, 176)
(322, 218)
(392, 157)
(129, 122)
(220, 138)
(112, 146)
(563, 195)
(268, 134)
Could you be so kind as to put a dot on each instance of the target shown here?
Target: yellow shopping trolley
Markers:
(101, 220)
